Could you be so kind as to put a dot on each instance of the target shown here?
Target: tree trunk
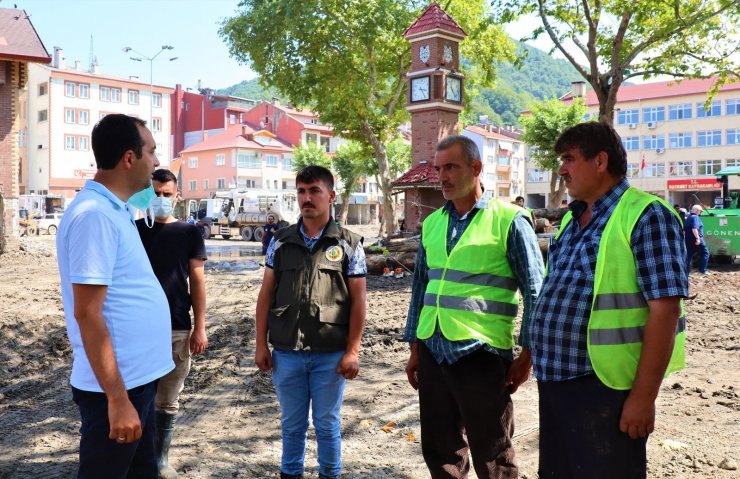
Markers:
(345, 208)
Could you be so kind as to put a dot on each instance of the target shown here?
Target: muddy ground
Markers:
(229, 422)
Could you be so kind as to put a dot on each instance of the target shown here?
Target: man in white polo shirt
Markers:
(118, 318)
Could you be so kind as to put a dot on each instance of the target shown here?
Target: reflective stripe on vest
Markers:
(619, 311)
(471, 292)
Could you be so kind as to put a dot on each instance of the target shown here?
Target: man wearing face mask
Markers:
(177, 253)
(116, 312)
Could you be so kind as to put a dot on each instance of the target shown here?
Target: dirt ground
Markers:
(229, 421)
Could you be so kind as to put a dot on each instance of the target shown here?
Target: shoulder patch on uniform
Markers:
(335, 253)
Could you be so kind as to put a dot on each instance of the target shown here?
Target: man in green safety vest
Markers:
(473, 257)
(609, 322)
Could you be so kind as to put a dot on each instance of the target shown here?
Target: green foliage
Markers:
(399, 159)
(350, 164)
(310, 154)
(250, 89)
(543, 127)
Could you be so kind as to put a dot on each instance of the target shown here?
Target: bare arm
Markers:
(197, 280)
(262, 356)
(349, 365)
(638, 413)
(122, 416)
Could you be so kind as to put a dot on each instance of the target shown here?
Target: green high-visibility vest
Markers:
(619, 311)
(472, 291)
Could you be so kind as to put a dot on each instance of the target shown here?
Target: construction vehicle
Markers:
(243, 212)
(722, 223)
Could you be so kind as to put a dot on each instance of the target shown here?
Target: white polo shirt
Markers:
(97, 243)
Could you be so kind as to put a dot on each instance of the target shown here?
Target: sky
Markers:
(190, 26)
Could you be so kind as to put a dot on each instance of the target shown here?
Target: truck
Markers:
(243, 212)
(722, 223)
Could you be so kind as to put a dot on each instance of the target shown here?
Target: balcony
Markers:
(503, 168)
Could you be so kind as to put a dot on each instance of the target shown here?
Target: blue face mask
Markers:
(142, 201)
(162, 207)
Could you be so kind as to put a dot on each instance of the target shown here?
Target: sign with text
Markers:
(695, 184)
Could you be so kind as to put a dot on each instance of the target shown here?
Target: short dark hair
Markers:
(467, 146)
(592, 137)
(519, 198)
(113, 136)
(163, 175)
(314, 173)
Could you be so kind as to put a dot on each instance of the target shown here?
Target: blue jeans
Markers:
(302, 379)
(101, 456)
(691, 250)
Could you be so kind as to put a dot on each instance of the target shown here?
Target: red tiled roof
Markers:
(232, 138)
(18, 38)
(422, 174)
(434, 18)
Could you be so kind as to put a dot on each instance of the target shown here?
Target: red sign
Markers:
(700, 184)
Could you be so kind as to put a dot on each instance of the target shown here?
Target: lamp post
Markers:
(140, 58)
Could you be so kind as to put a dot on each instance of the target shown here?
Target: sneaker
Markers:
(290, 476)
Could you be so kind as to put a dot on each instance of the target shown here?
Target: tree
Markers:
(541, 130)
(350, 163)
(610, 41)
(310, 154)
(347, 60)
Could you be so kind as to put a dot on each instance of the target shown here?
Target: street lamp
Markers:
(140, 58)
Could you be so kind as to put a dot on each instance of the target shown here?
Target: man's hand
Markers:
(412, 366)
(198, 341)
(349, 365)
(638, 416)
(519, 370)
(263, 358)
(125, 426)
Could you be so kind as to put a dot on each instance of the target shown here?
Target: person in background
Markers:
(681, 211)
(118, 320)
(312, 306)
(694, 235)
(177, 253)
(270, 227)
(519, 201)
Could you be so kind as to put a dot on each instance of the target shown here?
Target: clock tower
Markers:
(435, 100)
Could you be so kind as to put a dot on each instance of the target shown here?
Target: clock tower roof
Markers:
(434, 19)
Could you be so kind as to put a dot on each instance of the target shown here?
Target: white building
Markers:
(64, 103)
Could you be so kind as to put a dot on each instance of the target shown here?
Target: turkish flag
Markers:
(642, 165)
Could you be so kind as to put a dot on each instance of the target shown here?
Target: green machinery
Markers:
(722, 223)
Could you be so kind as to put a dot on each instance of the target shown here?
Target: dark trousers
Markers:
(101, 456)
(691, 250)
(580, 436)
(466, 405)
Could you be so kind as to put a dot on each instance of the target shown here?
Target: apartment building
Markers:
(64, 103)
(503, 156)
(675, 142)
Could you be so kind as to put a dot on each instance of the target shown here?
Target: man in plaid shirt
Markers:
(608, 323)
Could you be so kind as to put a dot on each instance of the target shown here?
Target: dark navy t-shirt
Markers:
(691, 222)
(170, 247)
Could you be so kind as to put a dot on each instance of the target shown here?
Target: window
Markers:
(271, 160)
(731, 163)
(205, 184)
(43, 89)
(503, 160)
(247, 161)
(715, 109)
(312, 138)
(69, 142)
(156, 124)
(680, 140)
(491, 144)
(682, 168)
(157, 100)
(82, 143)
(43, 115)
(625, 117)
(732, 107)
(490, 178)
(654, 170)
(285, 185)
(709, 138)
(70, 89)
(633, 169)
(220, 183)
(656, 113)
(133, 97)
(115, 95)
(83, 90)
(288, 163)
(104, 93)
(679, 112)
(83, 117)
(709, 167)
(69, 115)
(192, 185)
(653, 142)
(535, 175)
(733, 136)
(490, 160)
(631, 143)
(232, 119)
(193, 161)
(250, 183)
(220, 159)
(325, 143)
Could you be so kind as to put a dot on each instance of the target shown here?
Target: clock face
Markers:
(420, 89)
(452, 91)
(424, 53)
(447, 54)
